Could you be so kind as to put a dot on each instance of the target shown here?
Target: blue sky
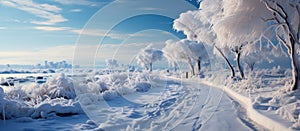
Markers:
(35, 30)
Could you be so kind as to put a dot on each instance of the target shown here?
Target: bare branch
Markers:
(283, 13)
(267, 20)
(283, 16)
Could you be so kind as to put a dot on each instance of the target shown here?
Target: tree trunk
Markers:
(150, 68)
(227, 62)
(294, 65)
(192, 67)
(199, 65)
(238, 56)
(251, 66)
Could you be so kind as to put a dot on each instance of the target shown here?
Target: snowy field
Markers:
(168, 105)
(142, 101)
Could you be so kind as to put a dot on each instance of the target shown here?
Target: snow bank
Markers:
(256, 116)
(256, 94)
(56, 97)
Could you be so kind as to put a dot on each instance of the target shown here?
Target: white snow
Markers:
(156, 101)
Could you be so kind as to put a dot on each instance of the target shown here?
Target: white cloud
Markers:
(79, 2)
(3, 28)
(48, 28)
(102, 33)
(45, 11)
(75, 10)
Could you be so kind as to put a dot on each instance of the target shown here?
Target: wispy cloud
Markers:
(3, 28)
(45, 11)
(79, 2)
(49, 28)
(75, 10)
(102, 33)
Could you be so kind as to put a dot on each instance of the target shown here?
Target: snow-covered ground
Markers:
(157, 101)
(170, 104)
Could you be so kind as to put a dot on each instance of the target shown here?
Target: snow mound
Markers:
(142, 87)
(56, 97)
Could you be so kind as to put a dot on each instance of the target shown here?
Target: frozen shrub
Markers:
(60, 86)
(16, 93)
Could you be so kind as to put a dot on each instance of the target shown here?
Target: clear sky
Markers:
(32, 31)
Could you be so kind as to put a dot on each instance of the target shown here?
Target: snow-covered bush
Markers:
(60, 86)
(58, 106)
(56, 97)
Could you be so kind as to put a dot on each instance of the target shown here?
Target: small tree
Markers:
(197, 52)
(256, 53)
(169, 52)
(111, 63)
(148, 56)
(179, 51)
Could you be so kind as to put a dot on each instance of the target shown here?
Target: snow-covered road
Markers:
(172, 105)
(169, 105)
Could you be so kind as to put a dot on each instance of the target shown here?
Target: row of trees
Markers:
(55, 65)
(175, 51)
(246, 27)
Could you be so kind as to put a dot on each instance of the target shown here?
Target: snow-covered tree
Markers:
(197, 52)
(169, 52)
(179, 51)
(249, 21)
(148, 56)
(285, 21)
(111, 63)
(185, 51)
(253, 54)
(197, 26)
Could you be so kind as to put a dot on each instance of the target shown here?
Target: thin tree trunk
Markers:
(150, 68)
(227, 62)
(294, 66)
(192, 67)
(199, 66)
(238, 56)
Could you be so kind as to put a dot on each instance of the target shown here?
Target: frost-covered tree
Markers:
(256, 20)
(237, 23)
(186, 51)
(111, 63)
(240, 24)
(197, 52)
(148, 56)
(285, 21)
(197, 26)
(169, 52)
(253, 54)
(179, 51)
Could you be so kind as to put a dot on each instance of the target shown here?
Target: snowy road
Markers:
(169, 105)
